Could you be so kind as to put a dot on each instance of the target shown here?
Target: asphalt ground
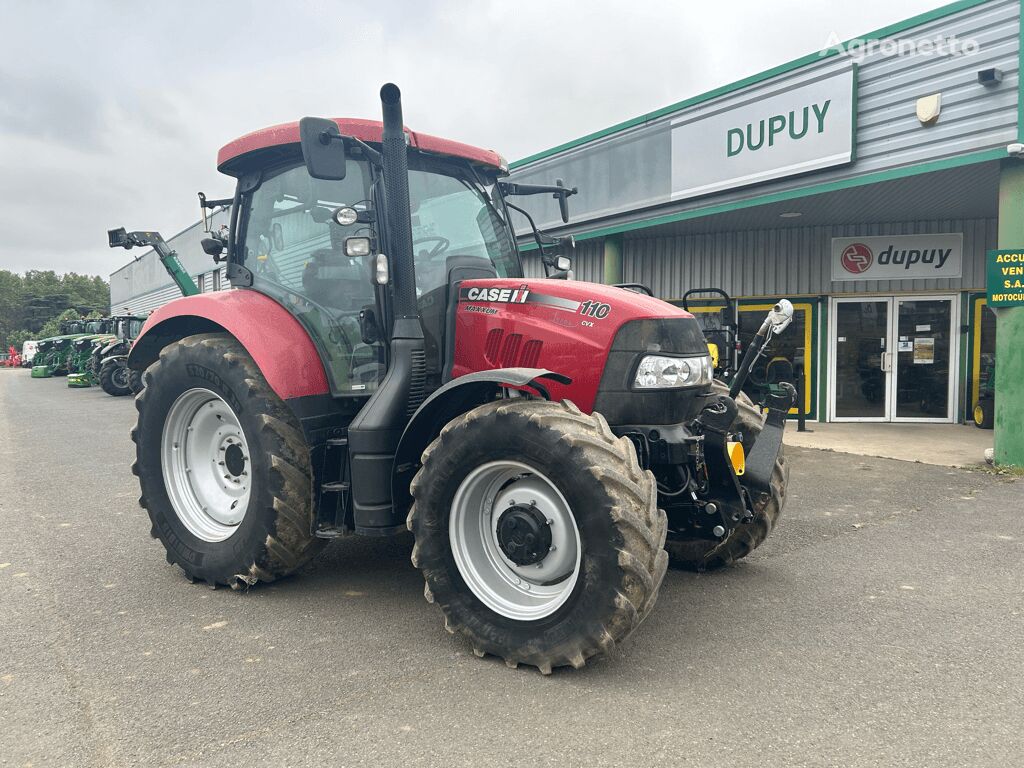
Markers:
(881, 624)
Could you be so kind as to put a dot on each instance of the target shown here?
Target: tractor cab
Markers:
(126, 327)
(70, 327)
(319, 246)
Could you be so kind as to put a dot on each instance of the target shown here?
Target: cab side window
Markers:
(295, 249)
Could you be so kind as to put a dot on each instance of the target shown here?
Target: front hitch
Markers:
(762, 457)
(717, 474)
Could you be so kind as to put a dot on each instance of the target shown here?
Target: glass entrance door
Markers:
(859, 376)
(921, 380)
(891, 359)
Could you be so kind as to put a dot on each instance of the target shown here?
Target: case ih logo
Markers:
(857, 258)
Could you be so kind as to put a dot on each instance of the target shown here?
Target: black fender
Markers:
(123, 357)
(114, 347)
(444, 404)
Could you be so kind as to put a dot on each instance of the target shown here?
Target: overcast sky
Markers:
(111, 113)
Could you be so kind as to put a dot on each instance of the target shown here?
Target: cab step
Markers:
(335, 490)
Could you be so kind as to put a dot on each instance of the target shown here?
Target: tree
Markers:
(32, 303)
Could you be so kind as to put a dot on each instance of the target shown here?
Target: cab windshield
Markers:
(452, 215)
(296, 252)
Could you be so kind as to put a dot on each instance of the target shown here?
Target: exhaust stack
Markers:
(396, 176)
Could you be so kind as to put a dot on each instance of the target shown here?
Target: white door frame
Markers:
(892, 308)
(833, 342)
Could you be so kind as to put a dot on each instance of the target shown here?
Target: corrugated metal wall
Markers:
(786, 262)
(144, 303)
(622, 175)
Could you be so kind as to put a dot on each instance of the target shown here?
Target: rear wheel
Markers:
(223, 466)
(705, 554)
(113, 377)
(537, 532)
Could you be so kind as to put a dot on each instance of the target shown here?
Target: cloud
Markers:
(112, 113)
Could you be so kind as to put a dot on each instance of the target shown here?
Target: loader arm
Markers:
(121, 239)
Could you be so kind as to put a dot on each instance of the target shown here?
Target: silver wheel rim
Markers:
(119, 377)
(518, 592)
(206, 467)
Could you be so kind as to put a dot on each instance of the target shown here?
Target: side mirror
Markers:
(563, 200)
(322, 148)
(212, 246)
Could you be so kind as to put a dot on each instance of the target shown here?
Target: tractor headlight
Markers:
(662, 372)
(358, 246)
(346, 216)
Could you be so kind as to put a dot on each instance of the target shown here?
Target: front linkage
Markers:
(716, 471)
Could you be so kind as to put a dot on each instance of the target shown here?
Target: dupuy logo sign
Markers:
(797, 124)
(897, 257)
(856, 258)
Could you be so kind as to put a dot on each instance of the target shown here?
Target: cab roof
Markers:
(232, 156)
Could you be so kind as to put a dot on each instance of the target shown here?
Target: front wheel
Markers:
(537, 532)
(113, 378)
(223, 466)
(984, 414)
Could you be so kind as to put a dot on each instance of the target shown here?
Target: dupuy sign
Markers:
(897, 257)
(800, 126)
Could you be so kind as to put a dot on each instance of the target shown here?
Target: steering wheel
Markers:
(441, 246)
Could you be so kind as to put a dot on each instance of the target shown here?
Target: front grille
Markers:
(531, 353)
(492, 344)
(510, 350)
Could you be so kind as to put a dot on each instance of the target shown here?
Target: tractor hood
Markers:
(574, 328)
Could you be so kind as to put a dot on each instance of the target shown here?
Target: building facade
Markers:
(863, 182)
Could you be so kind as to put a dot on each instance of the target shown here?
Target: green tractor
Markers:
(108, 362)
(52, 357)
(40, 370)
(98, 332)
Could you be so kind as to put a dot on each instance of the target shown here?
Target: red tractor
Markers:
(384, 366)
